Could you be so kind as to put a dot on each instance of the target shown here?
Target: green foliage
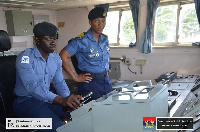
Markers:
(166, 19)
(129, 30)
(189, 23)
(166, 22)
(161, 33)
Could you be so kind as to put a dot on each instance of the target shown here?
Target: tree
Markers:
(165, 23)
(128, 28)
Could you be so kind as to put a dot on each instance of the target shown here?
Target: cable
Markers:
(141, 69)
(131, 71)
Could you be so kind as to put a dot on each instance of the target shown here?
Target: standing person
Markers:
(92, 52)
(35, 68)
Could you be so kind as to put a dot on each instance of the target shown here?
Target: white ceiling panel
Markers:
(63, 4)
(53, 4)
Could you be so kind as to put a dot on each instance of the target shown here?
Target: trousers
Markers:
(28, 107)
(99, 86)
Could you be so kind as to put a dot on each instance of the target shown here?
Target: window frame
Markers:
(176, 43)
(127, 8)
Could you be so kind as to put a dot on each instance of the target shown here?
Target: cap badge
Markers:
(104, 13)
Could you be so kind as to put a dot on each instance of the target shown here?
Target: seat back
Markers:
(7, 84)
(7, 78)
(5, 43)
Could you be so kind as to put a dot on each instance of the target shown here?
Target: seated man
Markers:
(35, 68)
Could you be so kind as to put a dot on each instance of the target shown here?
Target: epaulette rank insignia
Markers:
(104, 34)
(81, 35)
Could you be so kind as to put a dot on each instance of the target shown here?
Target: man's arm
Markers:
(63, 98)
(65, 56)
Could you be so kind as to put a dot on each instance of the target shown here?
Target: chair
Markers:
(7, 84)
(7, 79)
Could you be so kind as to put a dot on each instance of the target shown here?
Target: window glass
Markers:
(127, 30)
(111, 28)
(120, 28)
(165, 24)
(189, 30)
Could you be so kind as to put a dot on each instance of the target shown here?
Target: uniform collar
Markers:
(91, 36)
(37, 53)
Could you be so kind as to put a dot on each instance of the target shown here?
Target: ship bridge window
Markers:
(120, 27)
(175, 24)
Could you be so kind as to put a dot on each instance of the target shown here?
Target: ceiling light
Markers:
(54, 0)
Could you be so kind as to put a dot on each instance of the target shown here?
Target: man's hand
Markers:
(71, 101)
(83, 78)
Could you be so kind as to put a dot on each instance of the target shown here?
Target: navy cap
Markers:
(45, 29)
(97, 12)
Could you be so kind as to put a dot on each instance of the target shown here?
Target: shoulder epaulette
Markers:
(81, 35)
(104, 34)
(28, 50)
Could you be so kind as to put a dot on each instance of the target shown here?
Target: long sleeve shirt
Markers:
(34, 75)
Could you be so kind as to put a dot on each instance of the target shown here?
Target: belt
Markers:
(104, 74)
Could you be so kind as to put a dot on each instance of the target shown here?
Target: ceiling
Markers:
(53, 4)
(65, 4)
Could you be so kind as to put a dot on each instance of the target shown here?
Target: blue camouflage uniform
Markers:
(33, 78)
(93, 57)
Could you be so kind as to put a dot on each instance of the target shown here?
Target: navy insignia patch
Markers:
(25, 59)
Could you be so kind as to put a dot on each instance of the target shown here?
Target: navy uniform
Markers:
(33, 76)
(93, 58)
